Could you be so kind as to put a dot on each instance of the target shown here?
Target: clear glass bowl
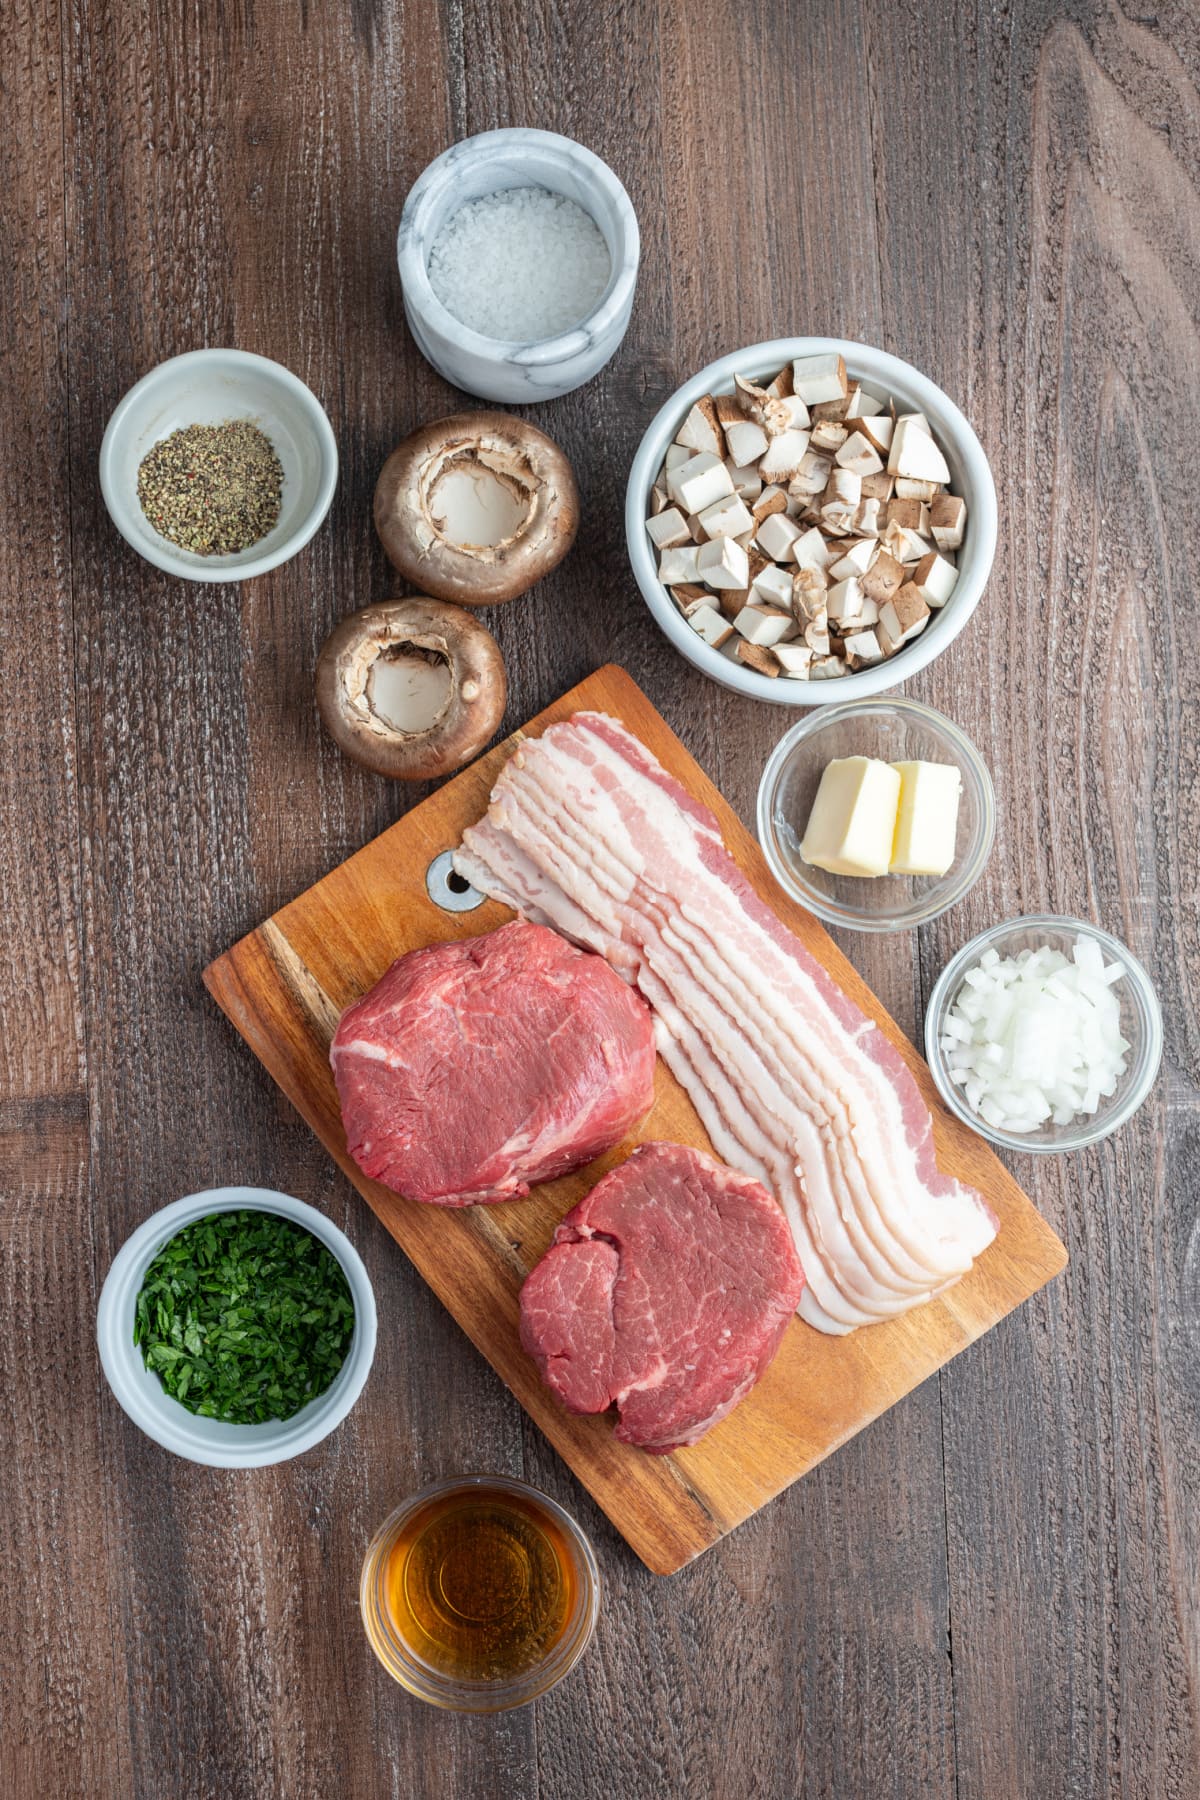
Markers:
(404, 1661)
(894, 730)
(1141, 1023)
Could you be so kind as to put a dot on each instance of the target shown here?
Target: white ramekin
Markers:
(883, 375)
(142, 1394)
(208, 387)
(492, 367)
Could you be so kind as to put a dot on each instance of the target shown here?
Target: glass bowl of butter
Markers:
(878, 815)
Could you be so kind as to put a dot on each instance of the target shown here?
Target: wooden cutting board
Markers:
(284, 987)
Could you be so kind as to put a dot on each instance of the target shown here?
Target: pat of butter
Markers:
(927, 821)
(852, 825)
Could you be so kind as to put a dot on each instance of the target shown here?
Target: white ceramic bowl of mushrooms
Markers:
(757, 386)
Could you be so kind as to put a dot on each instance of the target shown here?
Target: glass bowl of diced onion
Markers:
(1038, 1057)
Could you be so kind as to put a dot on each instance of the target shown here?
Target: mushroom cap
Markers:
(523, 461)
(468, 718)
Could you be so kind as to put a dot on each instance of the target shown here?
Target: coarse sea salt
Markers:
(521, 264)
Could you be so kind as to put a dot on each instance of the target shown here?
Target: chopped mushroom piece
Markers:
(855, 559)
(772, 585)
(784, 455)
(747, 482)
(901, 618)
(868, 517)
(826, 668)
(862, 648)
(816, 635)
(679, 565)
(695, 484)
(809, 588)
(745, 439)
(907, 489)
(828, 434)
(818, 378)
(934, 579)
(812, 551)
(947, 521)
(861, 405)
(912, 515)
(794, 660)
(884, 578)
(721, 564)
(878, 432)
(667, 529)
(701, 429)
(777, 536)
(711, 625)
(727, 518)
(914, 454)
(689, 598)
(771, 500)
(765, 624)
(757, 656)
(776, 412)
(845, 601)
(906, 546)
(858, 455)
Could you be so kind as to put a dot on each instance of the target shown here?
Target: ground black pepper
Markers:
(212, 489)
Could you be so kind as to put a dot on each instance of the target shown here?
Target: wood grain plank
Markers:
(1073, 260)
(284, 987)
(63, 1689)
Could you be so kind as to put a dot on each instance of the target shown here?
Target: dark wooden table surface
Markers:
(993, 1592)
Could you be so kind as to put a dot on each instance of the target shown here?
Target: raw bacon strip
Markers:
(749, 931)
(876, 1300)
(770, 1126)
(588, 833)
(934, 1246)
(875, 1296)
(886, 1259)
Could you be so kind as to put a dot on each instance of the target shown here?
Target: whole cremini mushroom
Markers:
(411, 688)
(476, 508)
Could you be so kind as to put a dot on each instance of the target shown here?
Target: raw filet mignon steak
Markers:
(666, 1290)
(475, 1068)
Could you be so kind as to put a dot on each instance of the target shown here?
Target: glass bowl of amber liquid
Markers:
(479, 1593)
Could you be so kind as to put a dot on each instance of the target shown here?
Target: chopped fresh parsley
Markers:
(245, 1317)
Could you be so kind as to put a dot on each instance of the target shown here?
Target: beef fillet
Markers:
(667, 1291)
(475, 1068)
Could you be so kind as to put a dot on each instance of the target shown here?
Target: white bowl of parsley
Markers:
(237, 1327)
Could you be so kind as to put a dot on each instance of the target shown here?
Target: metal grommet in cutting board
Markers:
(448, 889)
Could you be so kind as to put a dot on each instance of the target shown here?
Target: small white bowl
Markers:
(494, 368)
(141, 1393)
(209, 387)
(888, 378)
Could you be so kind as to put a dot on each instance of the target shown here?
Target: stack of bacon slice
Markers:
(586, 832)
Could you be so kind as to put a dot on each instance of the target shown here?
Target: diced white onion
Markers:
(1036, 1038)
